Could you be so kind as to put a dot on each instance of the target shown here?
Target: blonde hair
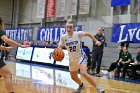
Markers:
(70, 21)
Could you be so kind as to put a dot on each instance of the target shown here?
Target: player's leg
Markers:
(119, 66)
(83, 71)
(6, 74)
(74, 76)
(6, 55)
(2, 54)
(74, 67)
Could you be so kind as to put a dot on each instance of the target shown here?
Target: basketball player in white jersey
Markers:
(77, 57)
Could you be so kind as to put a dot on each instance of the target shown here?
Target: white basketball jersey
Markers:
(73, 44)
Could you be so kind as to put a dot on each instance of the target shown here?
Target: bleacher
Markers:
(111, 53)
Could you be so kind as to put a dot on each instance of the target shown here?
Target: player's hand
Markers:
(135, 63)
(9, 48)
(98, 43)
(55, 51)
(24, 46)
(123, 62)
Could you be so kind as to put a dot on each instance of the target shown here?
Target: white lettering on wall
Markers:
(132, 33)
(56, 34)
(138, 34)
(121, 34)
(41, 34)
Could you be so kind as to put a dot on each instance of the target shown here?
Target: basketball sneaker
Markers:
(97, 75)
(105, 72)
(82, 86)
(100, 90)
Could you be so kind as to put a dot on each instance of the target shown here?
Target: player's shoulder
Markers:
(78, 32)
(2, 32)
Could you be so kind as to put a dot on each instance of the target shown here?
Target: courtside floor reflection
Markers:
(37, 78)
(45, 75)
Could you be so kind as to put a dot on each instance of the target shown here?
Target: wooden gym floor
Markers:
(33, 78)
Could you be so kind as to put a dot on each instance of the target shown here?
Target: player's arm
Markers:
(60, 44)
(5, 48)
(93, 38)
(11, 42)
(136, 61)
(120, 60)
(129, 59)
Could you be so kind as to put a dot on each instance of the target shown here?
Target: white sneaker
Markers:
(81, 87)
(105, 72)
(100, 90)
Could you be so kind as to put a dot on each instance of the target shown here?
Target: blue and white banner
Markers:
(24, 53)
(126, 32)
(53, 33)
(20, 33)
(120, 2)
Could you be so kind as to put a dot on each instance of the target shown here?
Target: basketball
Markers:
(58, 54)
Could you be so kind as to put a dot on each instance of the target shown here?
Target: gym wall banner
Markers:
(120, 2)
(126, 32)
(53, 33)
(24, 34)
